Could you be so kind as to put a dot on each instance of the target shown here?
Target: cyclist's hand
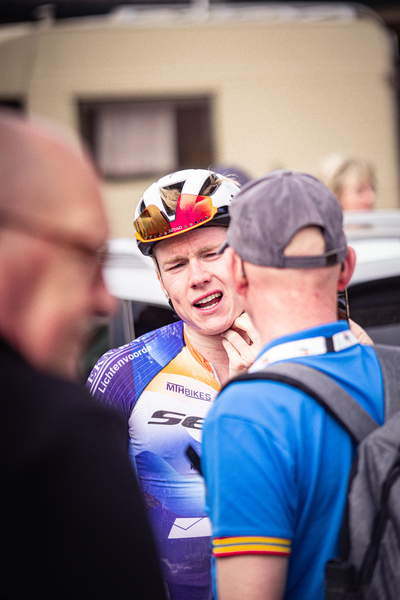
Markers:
(242, 344)
(359, 332)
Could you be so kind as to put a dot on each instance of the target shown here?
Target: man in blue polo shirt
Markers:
(275, 462)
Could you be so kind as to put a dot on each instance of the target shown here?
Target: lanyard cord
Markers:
(308, 347)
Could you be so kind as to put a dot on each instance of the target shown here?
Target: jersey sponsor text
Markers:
(180, 389)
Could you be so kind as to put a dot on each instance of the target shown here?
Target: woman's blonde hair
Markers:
(335, 169)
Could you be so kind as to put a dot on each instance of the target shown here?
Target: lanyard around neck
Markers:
(308, 347)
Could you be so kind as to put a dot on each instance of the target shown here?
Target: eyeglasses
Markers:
(94, 257)
(191, 211)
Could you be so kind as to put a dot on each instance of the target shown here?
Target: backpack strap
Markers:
(389, 360)
(347, 411)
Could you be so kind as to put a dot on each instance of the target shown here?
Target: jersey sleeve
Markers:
(121, 374)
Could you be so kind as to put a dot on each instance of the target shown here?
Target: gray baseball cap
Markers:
(269, 211)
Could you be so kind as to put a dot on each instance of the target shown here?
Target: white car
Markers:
(374, 291)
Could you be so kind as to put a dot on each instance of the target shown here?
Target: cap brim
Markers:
(222, 248)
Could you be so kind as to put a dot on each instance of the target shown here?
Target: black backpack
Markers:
(368, 566)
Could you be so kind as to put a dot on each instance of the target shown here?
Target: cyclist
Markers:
(165, 381)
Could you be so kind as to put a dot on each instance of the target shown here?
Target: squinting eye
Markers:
(172, 267)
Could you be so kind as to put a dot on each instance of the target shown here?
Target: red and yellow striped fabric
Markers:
(229, 546)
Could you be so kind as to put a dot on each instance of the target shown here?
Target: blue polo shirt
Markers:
(276, 464)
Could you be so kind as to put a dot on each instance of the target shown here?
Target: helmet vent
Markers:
(210, 186)
(169, 197)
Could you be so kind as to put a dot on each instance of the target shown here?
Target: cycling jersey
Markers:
(165, 389)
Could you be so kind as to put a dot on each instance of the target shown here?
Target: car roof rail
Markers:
(372, 223)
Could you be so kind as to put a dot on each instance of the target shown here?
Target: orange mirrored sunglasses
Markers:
(191, 211)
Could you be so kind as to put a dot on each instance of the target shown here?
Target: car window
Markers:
(375, 305)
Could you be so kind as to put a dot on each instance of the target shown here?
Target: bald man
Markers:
(73, 522)
(276, 520)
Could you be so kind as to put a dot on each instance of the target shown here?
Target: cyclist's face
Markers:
(196, 280)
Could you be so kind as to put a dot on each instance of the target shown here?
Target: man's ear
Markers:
(236, 269)
(347, 269)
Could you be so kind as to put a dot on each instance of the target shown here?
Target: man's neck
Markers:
(210, 347)
(291, 327)
(283, 301)
(288, 317)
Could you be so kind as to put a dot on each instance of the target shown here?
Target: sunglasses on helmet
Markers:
(191, 211)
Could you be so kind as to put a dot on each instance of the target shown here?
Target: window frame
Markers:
(188, 155)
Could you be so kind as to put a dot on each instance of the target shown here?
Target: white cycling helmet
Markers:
(155, 221)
